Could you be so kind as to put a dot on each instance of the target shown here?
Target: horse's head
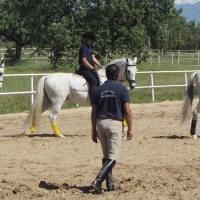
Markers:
(130, 71)
(127, 72)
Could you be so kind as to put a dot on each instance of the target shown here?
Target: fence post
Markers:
(150, 56)
(159, 59)
(36, 58)
(178, 56)
(152, 89)
(172, 58)
(32, 95)
(185, 80)
(198, 57)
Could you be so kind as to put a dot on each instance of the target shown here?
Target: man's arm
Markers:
(94, 123)
(86, 63)
(128, 117)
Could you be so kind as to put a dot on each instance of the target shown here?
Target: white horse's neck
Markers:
(122, 65)
(102, 72)
(102, 75)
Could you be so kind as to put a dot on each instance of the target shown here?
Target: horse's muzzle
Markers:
(132, 84)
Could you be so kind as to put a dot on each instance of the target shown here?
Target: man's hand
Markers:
(129, 135)
(94, 136)
(94, 71)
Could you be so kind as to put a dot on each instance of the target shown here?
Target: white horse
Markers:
(54, 89)
(2, 66)
(187, 103)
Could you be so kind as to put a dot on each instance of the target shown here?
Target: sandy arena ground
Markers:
(161, 162)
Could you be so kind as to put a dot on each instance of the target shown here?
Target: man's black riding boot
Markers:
(107, 166)
(109, 180)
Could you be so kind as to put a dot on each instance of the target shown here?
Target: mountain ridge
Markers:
(186, 1)
(191, 11)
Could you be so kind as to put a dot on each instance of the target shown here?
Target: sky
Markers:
(186, 1)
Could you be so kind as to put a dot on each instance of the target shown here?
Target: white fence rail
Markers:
(175, 58)
(152, 86)
(189, 57)
(32, 92)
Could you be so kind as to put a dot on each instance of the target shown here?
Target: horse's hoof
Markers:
(123, 134)
(124, 129)
(194, 137)
(61, 136)
(26, 133)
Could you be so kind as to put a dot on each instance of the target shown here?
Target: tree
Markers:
(116, 24)
(157, 14)
(182, 34)
(121, 26)
(15, 23)
(35, 22)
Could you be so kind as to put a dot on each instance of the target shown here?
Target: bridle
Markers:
(126, 73)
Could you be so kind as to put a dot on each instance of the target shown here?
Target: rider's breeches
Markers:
(90, 78)
(110, 136)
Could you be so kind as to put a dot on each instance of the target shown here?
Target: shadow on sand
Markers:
(31, 135)
(172, 137)
(50, 186)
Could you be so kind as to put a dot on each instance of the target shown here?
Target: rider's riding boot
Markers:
(91, 90)
(109, 180)
(107, 166)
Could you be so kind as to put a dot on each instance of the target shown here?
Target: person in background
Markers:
(110, 104)
(86, 59)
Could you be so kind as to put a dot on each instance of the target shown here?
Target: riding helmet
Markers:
(89, 35)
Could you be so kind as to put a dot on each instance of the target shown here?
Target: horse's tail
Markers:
(188, 99)
(34, 116)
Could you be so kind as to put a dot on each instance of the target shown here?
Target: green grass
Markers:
(161, 94)
(31, 66)
(21, 103)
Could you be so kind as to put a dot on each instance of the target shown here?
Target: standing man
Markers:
(86, 58)
(110, 104)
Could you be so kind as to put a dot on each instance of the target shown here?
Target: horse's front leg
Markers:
(194, 123)
(52, 118)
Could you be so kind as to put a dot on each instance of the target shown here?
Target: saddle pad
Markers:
(80, 84)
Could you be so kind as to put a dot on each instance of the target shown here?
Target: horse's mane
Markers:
(117, 61)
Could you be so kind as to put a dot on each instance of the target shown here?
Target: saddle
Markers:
(80, 84)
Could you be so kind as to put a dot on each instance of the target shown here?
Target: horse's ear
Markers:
(135, 60)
